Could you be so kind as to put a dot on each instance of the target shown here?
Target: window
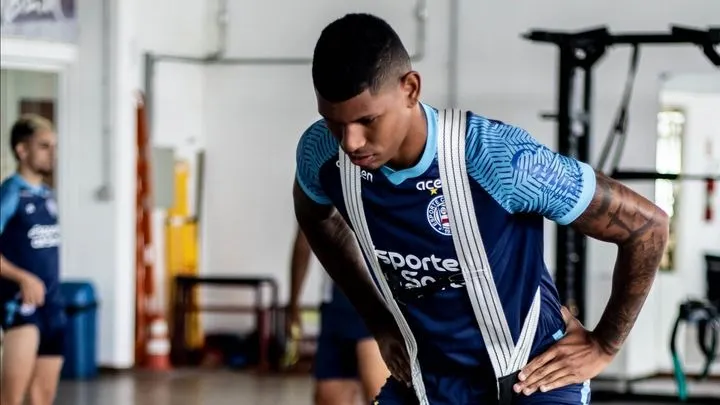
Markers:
(671, 123)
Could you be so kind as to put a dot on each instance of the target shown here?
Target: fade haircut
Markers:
(355, 53)
(25, 127)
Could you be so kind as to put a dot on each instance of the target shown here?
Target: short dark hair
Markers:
(25, 127)
(355, 53)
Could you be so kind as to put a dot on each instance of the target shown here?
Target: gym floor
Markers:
(194, 387)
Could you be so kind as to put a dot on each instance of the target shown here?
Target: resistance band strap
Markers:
(618, 131)
(506, 356)
(352, 192)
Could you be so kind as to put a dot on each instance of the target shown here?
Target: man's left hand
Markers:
(577, 357)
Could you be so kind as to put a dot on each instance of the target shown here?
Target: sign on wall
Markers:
(54, 20)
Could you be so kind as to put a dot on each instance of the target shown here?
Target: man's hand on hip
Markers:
(575, 358)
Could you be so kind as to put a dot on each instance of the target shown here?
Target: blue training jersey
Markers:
(29, 235)
(515, 182)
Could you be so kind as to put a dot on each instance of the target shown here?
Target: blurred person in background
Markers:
(348, 364)
(31, 311)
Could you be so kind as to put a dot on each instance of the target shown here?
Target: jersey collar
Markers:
(40, 190)
(398, 176)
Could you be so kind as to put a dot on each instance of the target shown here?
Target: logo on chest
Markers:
(437, 216)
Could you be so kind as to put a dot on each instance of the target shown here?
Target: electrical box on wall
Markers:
(163, 177)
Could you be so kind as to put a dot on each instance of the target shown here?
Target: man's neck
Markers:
(31, 177)
(413, 146)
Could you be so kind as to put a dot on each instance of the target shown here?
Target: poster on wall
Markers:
(54, 20)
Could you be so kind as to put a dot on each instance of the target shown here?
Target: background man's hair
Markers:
(355, 53)
(25, 127)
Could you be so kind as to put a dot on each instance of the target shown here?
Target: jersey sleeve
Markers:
(523, 175)
(315, 148)
(9, 199)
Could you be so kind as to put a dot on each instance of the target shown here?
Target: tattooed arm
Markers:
(640, 230)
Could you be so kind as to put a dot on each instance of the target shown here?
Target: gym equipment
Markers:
(713, 279)
(581, 51)
(705, 316)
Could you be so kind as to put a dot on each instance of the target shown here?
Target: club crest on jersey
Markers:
(437, 216)
(51, 207)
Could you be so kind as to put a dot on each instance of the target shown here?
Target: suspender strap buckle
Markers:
(408, 295)
(506, 395)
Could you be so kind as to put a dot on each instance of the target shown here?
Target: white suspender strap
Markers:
(505, 355)
(352, 192)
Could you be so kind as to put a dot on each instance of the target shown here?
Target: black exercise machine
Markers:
(578, 53)
(704, 316)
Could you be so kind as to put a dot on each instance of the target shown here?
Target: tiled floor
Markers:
(201, 387)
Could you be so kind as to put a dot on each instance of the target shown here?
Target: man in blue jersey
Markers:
(31, 312)
(431, 222)
(348, 364)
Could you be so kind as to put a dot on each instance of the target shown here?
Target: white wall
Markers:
(249, 229)
(696, 237)
(98, 235)
(178, 91)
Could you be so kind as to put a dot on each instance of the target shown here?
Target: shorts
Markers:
(465, 391)
(49, 319)
(341, 328)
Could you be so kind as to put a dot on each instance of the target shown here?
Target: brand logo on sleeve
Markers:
(366, 175)
(554, 176)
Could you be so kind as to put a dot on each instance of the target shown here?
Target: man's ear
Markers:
(21, 150)
(410, 84)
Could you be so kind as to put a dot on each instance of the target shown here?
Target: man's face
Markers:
(371, 127)
(38, 153)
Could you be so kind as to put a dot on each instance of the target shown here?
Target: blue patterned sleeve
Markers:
(9, 200)
(525, 176)
(315, 148)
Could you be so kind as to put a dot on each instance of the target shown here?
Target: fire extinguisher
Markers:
(709, 194)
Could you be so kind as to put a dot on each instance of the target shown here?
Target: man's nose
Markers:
(353, 138)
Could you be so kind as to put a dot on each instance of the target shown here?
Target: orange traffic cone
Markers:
(157, 348)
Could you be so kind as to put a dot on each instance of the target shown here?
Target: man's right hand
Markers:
(32, 290)
(392, 348)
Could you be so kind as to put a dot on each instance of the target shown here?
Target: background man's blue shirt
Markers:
(29, 235)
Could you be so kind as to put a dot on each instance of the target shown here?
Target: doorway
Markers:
(24, 92)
